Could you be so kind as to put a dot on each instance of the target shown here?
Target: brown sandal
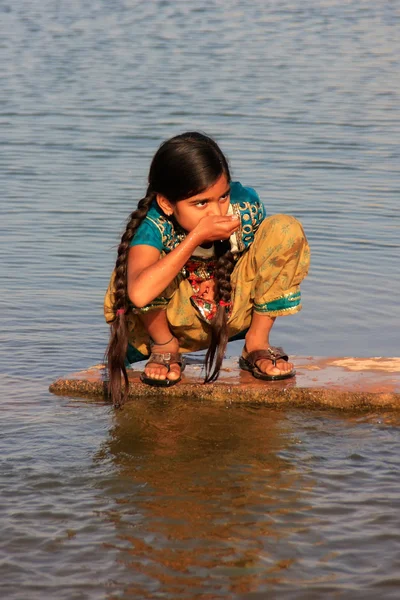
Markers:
(165, 359)
(273, 353)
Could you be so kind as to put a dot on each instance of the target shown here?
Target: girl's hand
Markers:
(213, 228)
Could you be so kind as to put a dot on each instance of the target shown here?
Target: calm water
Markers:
(195, 501)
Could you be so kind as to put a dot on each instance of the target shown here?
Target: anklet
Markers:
(163, 344)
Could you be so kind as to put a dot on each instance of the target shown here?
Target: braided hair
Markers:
(118, 344)
(219, 324)
(182, 167)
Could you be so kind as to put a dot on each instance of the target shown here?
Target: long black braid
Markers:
(219, 325)
(118, 344)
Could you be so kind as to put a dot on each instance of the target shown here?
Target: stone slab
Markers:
(344, 383)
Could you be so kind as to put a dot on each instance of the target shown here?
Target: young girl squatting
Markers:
(198, 264)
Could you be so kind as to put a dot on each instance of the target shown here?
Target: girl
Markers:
(199, 264)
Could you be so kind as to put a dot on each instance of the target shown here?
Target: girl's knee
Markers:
(284, 227)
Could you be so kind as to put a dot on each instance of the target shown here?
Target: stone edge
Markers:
(298, 397)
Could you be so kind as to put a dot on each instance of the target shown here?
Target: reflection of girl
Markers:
(199, 263)
(205, 499)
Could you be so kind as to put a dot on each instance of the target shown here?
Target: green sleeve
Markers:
(148, 234)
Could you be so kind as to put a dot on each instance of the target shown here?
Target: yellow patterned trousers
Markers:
(266, 279)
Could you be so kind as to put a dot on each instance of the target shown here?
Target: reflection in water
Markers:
(211, 500)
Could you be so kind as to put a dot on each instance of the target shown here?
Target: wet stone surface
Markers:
(345, 383)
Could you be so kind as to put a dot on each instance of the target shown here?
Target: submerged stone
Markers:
(345, 383)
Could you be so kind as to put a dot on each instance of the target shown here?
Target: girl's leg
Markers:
(150, 324)
(156, 324)
(266, 282)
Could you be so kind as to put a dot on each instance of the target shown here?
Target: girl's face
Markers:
(214, 200)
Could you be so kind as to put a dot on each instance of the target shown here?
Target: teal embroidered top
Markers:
(161, 233)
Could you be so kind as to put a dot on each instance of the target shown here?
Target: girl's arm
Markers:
(148, 276)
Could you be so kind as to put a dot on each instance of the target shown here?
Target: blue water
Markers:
(193, 501)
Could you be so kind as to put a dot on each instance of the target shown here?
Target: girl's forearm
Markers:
(151, 282)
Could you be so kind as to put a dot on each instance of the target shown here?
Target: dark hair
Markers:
(183, 166)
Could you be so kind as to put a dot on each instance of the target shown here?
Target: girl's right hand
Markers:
(214, 228)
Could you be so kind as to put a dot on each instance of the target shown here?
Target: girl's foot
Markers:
(158, 372)
(266, 365)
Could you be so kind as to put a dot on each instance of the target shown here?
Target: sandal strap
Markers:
(165, 358)
(273, 353)
(278, 353)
